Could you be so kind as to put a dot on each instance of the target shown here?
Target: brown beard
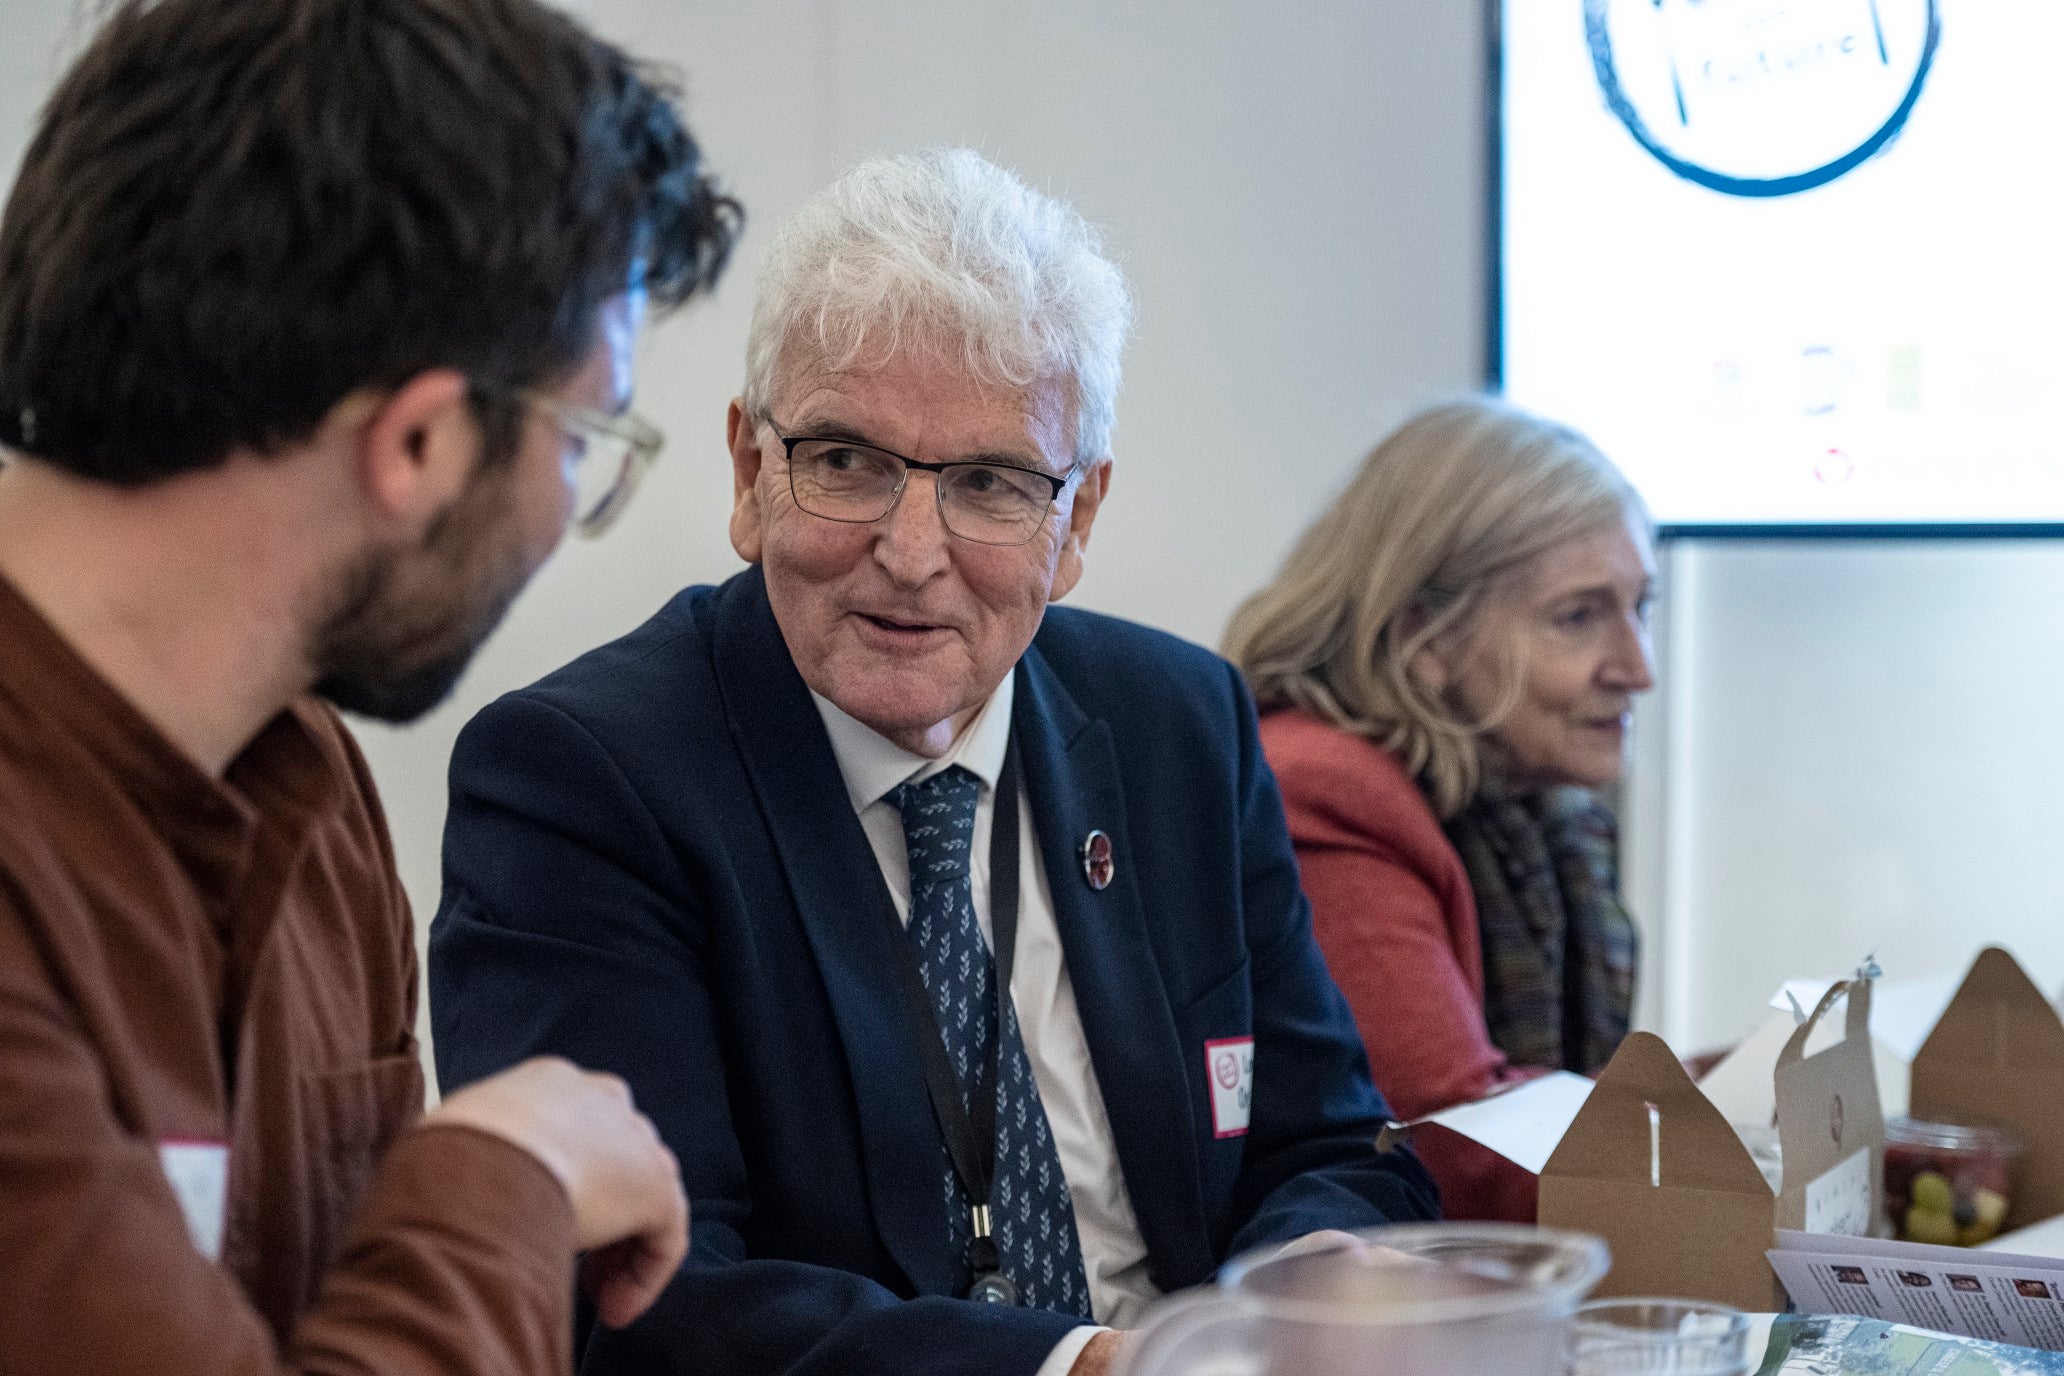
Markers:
(403, 624)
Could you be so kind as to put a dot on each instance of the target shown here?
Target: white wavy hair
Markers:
(946, 251)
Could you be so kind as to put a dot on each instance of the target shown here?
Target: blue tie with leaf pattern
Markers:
(1031, 1213)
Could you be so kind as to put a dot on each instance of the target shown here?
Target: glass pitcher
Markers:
(1421, 1299)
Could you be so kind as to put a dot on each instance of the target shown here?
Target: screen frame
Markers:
(1493, 114)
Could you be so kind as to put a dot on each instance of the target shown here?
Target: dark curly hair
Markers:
(233, 215)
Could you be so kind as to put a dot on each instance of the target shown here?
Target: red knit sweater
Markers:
(1395, 917)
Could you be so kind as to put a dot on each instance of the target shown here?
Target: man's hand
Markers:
(1099, 1356)
(629, 1213)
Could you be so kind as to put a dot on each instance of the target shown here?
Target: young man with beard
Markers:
(316, 321)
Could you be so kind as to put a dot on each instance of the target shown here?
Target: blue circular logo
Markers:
(1762, 97)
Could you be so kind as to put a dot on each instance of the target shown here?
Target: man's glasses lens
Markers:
(600, 465)
(606, 456)
(846, 482)
(991, 504)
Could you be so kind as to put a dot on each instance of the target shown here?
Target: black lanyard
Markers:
(971, 1131)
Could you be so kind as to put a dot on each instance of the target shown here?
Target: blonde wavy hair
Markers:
(1458, 496)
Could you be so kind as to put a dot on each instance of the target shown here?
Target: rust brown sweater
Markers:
(214, 981)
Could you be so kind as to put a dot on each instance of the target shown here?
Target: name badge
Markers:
(1229, 1068)
(199, 1173)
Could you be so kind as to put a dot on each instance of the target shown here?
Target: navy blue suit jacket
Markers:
(652, 867)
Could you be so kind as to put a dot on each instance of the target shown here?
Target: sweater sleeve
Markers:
(1389, 921)
(460, 1262)
(1385, 936)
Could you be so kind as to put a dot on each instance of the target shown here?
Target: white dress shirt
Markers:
(1114, 1256)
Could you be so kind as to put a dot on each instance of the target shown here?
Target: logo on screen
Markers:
(1762, 97)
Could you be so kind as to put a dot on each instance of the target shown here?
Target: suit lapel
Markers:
(846, 913)
(1073, 781)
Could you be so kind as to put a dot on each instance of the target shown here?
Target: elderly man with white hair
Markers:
(952, 940)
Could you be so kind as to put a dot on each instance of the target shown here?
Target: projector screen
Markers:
(1796, 265)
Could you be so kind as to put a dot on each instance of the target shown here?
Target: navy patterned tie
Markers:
(1033, 1217)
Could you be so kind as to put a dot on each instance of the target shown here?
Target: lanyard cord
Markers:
(970, 1132)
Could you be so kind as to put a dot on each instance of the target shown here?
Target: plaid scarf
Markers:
(1558, 949)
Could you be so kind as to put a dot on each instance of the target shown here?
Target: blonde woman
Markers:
(1446, 663)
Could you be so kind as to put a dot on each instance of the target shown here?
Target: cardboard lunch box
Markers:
(1984, 1048)
(1650, 1165)
(1997, 1058)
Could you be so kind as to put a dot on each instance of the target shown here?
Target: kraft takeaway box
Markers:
(1997, 1058)
(1655, 1169)
(1651, 1166)
(1829, 1125)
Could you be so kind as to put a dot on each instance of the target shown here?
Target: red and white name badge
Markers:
(1229, 1069)
(199, 1175)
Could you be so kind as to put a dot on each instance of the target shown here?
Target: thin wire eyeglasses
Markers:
(983, 502)
(615, 454)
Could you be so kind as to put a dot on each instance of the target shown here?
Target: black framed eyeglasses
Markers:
(987, 503)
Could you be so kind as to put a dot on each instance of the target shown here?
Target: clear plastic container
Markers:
(1657, 1337)
(1413, 1300)
(1948, 1183)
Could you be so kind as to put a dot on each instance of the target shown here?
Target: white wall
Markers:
(1856, 747)
(1854, 744)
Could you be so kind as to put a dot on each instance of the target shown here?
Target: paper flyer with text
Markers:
(1993, 1296)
